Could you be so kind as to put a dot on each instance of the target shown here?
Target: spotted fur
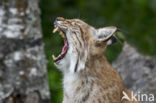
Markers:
(87, 75)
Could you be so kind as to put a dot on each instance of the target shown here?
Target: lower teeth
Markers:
(54, 58)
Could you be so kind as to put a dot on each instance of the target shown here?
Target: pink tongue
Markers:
(64, 48)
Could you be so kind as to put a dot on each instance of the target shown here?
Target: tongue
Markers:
(64, 48)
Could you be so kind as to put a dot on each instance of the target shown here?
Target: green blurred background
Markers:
(135, 18)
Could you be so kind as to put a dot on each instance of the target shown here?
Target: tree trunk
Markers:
(23, 75)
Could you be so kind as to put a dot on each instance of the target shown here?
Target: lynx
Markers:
(87, 75)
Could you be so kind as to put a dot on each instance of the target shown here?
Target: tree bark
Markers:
(23, 75)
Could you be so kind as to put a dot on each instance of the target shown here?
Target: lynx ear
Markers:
(104, 34)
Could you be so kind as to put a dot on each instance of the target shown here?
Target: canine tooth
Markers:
(62, 35)
(56, 29)
(54, 58)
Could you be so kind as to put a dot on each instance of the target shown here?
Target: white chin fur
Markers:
(64, 63)
(67, 64)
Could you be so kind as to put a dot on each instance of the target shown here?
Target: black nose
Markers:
(57, 19)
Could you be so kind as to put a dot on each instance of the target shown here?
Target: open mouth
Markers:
(65, 47)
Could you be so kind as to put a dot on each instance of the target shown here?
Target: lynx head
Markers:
(81, 42)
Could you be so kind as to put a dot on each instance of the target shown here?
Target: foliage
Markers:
(135, 18)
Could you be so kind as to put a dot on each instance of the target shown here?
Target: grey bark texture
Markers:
(23, 75)
(138, 71)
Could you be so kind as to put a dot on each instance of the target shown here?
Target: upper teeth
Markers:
(55, 30)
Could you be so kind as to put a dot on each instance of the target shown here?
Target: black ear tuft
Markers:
(112, 40)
